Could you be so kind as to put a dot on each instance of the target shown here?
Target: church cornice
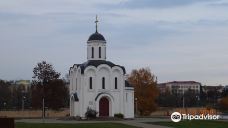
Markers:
(97, 63)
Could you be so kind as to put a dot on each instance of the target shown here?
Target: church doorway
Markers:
(104, 107)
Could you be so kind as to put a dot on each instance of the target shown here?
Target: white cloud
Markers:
(52, 6)
(188, 14)
(180, 43)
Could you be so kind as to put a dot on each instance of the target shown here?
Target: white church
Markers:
(99, 84)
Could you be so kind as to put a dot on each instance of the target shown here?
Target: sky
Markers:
(178, 40)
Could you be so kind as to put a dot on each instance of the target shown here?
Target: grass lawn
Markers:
(194, 124)
(82, 125)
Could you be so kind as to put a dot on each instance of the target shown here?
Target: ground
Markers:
(135, 123)
(82, 125)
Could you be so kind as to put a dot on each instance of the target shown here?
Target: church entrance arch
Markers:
(104, 107)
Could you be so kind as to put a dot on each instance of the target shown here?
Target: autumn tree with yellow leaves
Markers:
(146, 92)
(224, 103)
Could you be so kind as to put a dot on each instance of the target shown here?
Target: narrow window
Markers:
(92, 52)
(126, 97)
(103, 83)
(72, 84)
(115, 82)
(76, 83)
(105, 52)
(90, 83)
(99, 52)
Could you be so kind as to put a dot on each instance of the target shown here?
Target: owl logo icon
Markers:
(176, 117)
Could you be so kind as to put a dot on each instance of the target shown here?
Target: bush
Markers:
(67, 115)
(90, 113)
(119, 115)
(223, 104)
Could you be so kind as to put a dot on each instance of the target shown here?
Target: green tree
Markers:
(167, 99)
(146, 92)
(5, 94)
(223, 104)
(44, 72)
(46, 84)
(191, 98)
(17, 95)
(37, 95)
(57, 94)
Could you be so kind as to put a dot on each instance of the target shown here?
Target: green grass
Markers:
(80, 125)
(194, 124)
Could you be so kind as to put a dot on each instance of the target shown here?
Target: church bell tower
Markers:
(96, 46)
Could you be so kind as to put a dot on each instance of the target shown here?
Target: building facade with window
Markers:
(99, 84)
(180, 87)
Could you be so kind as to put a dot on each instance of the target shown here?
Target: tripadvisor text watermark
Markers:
(177, 117)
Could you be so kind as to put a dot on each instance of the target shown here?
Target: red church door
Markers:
(103, 107)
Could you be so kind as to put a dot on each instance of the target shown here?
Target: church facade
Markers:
(99, 84)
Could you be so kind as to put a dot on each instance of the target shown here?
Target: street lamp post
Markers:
(197, 101)
(4, 104)
(179, 92)
(22, 100)
(43, 108)
(43, 103)
(183, 99)
(136, 109)
(23, 103)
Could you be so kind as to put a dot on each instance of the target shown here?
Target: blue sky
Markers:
(177, 39)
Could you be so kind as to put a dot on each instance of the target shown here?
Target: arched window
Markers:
(116, 83)
(103, 83)
(90, 83)
(76, 83)
(99, 52)
(72, 84)
(92, 52)
(105, 52)
(126, 96)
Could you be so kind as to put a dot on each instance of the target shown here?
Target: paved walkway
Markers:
(138, 122)
(142, 125)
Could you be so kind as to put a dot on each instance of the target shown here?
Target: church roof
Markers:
(96, 36)
(96, 63)
(75, 96)
(127, 84)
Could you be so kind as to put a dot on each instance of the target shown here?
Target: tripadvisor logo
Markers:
(176, 117)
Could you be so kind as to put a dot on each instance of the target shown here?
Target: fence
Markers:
(192, 111)
(34, 113)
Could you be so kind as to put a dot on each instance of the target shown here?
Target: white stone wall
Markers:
(129, 103)
(119, 103)
(96, 45)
